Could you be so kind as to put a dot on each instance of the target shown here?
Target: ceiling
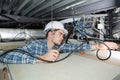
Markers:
(37, 11)
(34, 14)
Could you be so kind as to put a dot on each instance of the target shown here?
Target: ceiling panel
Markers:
(46, 9)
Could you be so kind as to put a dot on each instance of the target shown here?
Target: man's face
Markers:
(58, 37)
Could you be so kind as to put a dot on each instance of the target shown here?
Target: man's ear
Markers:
(51, 34)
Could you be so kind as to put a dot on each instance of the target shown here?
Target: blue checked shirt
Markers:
(39, 47)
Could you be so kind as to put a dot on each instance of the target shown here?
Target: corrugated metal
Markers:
(20, 34)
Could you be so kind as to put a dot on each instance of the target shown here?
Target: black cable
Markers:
(103, 59)
(16, 50)
(97, 55)
(19, 50)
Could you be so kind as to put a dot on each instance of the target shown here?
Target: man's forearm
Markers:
(95, 46)
(40, 61)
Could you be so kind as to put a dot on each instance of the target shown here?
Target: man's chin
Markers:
(58, 44)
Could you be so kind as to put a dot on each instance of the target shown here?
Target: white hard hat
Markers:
(55, 25)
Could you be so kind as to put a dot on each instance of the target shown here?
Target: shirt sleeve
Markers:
(33, 47)
(20, 57)
(75, 47)
(17, 58)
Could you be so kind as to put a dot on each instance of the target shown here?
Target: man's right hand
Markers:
(51, 55)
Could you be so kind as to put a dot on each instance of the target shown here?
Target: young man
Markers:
(49, 48)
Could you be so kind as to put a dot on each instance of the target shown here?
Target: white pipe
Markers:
(114, 59)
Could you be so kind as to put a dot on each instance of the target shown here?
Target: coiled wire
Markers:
(103, 59)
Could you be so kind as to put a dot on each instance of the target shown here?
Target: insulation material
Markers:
(20, 34)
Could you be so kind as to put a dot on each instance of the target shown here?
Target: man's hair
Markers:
(50, 30)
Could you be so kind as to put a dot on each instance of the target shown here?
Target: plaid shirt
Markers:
(39, 47)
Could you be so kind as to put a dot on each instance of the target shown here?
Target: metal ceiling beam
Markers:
(11, 5)
(56, 6)
(66, 7)
(1, 5)
(7, 24)
(35, 4)
(21, 19)
(102, 5)
(45, 5)
(22, 6)
(98, 6)
(4, 18)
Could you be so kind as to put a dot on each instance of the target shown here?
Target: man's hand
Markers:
(51, 55)
(105, 45)
(111, 45)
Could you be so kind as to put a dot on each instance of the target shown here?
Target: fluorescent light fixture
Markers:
(68, 20)
(75, 4)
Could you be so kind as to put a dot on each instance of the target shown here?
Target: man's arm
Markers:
(103, 46)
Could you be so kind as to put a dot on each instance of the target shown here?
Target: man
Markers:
(49, 48)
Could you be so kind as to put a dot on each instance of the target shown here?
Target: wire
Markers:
(10, 74)
(76, 26)
(24, 34)
(98, 49)
(83, 28)
(103, 59)
(16, 50)
(19, 50)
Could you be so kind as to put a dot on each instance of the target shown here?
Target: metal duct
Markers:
(20, 34)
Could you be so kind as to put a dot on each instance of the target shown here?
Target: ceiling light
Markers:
(75, 4)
